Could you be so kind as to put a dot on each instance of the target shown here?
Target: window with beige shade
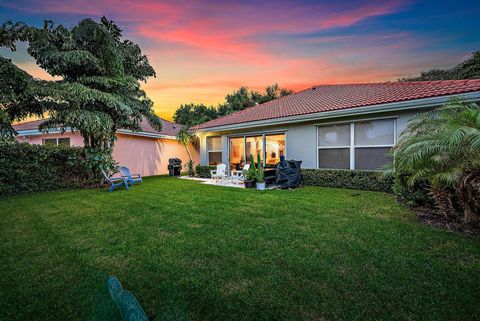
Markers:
(214, 150)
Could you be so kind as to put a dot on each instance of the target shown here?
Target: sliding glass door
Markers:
(274, 148)
(269, 147)
(254, 147)
(237, 153)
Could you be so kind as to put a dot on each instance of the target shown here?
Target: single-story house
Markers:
(350, 126)
(145, 152)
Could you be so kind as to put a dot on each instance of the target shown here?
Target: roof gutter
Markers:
(36, 132)
(145, 134)
(371, 109)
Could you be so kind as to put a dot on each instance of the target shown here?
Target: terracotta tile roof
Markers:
(168, 128)
(335, 97)
(29, 125)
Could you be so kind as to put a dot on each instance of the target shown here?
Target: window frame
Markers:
(56, 140)
(352, 145)
(264, 143)
(213, 150)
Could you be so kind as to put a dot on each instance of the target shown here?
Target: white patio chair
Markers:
(219, 173)
(239, 175)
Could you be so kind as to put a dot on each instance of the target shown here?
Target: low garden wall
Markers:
(31, 168)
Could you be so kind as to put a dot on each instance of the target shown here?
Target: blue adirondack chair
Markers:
(114, 181)
(125, 301)
(132, 179)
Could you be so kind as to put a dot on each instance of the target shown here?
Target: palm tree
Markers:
(443, 147)
(185, 137)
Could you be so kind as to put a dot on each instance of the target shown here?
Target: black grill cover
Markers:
(288, 173)
(175, 161)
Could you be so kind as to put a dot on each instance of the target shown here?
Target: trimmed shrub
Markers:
(204, 171)
(352, 179)
(31, 168)
(416, 195)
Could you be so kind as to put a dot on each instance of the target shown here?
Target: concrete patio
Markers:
(226, 182)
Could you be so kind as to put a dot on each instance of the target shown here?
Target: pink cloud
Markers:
(234, 35)
(201, 51)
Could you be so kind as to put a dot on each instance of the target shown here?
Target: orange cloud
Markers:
(203, 50)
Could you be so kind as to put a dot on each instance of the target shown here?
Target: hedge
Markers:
(204, 171)
(416, 195)
(352, 179)
(31, 168)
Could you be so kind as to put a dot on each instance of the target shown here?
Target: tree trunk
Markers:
(188, 152)
(467, 197)
(443, 201)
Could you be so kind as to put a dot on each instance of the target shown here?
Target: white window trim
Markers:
(56, 140)
(352, 145)
(212, 150)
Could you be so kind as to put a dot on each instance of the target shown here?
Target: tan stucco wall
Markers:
(142, 155)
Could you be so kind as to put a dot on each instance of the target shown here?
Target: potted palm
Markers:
(250, 174)
(260, 175)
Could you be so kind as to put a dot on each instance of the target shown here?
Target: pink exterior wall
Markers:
(149, 156)
(142, 155)
(75, 139)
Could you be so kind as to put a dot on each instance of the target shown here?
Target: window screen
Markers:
(64, 141)
(335, 135)
(375, 132)
(338, 158)
(371, 158)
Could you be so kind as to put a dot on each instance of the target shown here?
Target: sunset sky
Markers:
(202, 50)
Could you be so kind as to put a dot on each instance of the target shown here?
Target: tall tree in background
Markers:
(98, 90)
(192, 114)
(468, 69)
(273, 92)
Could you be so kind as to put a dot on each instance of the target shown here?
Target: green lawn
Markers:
(195, 252)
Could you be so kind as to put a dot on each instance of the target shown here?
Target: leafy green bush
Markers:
(251, 174)
(31, 168)
(412, 195)
(204, 171)
(260, 174)
(353, 179)
(189, 168)
(442, 147)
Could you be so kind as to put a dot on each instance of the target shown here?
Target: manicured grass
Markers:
(197, 252)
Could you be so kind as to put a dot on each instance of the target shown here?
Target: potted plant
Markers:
(250, 174)
(260, 175)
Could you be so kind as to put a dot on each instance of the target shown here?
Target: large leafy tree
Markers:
(468, 69)
(97, 86)
(443, 148)
(193, 114)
